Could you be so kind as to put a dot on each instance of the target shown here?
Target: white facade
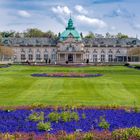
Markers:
(71, 51)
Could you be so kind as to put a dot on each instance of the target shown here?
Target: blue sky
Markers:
(98, 16)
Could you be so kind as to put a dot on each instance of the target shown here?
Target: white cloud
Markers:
(94, 22)
(24, 13)
(80, 9)
(63, 10)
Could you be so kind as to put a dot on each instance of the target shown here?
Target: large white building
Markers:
(72, 48)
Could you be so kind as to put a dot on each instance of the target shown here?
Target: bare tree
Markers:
(134, 51)
(5, 52)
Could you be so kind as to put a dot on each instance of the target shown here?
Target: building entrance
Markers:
(70, 57)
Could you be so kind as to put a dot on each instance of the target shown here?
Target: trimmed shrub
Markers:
(44, 126)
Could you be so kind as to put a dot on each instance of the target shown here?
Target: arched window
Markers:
(23, 57)
(102, 58)
(38, 55)
(95, 55)
(30, 55)
(46, 55)
(53, 54)
(110, 57)
(87, 54)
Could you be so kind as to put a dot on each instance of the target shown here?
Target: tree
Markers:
(50, 34)
(33, 32)
(90, 35)
(134, 51)
(5, 52)
(120, 35)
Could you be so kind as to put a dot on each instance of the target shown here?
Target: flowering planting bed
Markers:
(18, 120)
(71, 74)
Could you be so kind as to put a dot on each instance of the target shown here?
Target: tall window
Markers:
(87, 54)
(94, 57)
(53, 55)
(30, 55)
(23, 57)
(38, 55)
(110, 57)
(102, 58)
(46, 55)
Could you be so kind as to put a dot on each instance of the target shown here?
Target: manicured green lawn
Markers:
(119, 85)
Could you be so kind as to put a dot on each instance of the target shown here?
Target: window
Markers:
(38, 57)
(94, 58)
(110, 58)
(53, 54)
(102, 58)
(30, 56)
(45, 56)
(23, 57)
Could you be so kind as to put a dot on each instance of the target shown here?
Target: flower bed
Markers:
(88, 120)
(72, 75)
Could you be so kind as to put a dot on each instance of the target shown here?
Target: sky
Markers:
(98, 16)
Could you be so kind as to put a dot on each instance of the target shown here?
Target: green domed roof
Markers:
(70, 30)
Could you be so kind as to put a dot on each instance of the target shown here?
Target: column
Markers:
(82, 58)
(106, 58)
(75, 58)
(98, 57)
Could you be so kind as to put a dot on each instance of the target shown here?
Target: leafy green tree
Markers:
(33, 32)
(50, 34)
(120, 35)
(90, 35)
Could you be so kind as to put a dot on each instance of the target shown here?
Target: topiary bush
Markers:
(35, 116)
(54, 116)
(103, 123)
(44, 126)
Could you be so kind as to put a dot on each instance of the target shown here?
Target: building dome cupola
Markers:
(70, 30)
(70, 25)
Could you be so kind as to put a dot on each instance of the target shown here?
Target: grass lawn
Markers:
(119, 85)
